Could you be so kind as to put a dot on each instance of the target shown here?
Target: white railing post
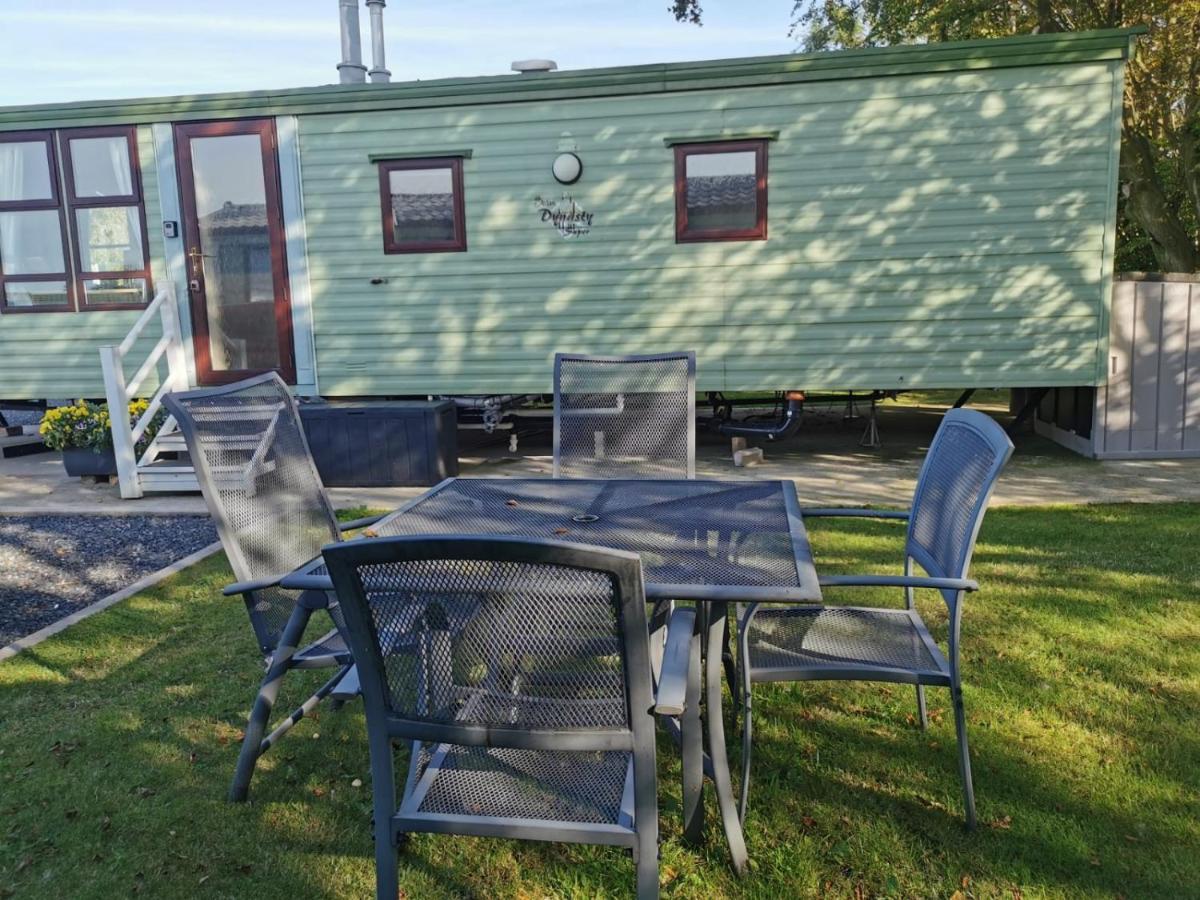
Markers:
(176, 359)
(118, 414)
(118, 390)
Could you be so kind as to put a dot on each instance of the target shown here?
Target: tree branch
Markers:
(1148, 206)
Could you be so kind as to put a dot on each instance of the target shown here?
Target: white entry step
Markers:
(168, 476)
(20, 442)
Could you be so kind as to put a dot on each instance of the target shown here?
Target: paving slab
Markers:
(824, 460)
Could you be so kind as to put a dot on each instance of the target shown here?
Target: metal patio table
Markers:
(711, 542)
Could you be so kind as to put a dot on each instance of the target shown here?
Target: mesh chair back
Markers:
(495, 642)
(953, 490)
(625, 416)
(252, 460)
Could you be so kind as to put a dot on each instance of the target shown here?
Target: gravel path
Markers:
(50, 566)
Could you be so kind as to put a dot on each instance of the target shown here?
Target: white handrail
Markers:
(118, 391)
(143, 320)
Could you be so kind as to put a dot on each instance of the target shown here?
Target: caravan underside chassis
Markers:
(788, 407)
(494, 413)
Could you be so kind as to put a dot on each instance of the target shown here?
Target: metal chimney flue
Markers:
(379, 72)
(351, 69)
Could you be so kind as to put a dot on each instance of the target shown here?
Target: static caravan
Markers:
(907, 217)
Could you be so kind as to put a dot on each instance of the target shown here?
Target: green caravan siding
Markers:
(933, 230)
(57, 355)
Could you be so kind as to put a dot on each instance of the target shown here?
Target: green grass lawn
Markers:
(1082, 671)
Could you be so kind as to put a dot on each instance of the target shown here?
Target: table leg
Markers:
(692, 744)
(715, 726)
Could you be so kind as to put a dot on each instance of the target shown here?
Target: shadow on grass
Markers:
(119, 739)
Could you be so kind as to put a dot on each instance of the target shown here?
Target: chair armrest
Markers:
(254, 584)
(355, 524)
(298, 581)
(913, 581)
(349, 686)
(672, 678)
(819, 512)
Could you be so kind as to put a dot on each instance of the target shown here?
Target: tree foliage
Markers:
(1159, 205)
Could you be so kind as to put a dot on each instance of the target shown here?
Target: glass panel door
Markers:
(237, 274)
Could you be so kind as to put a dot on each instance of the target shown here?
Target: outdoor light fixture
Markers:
(567, 168)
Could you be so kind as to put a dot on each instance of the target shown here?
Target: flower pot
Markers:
(80, 461)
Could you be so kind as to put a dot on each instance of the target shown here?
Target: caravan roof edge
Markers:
(1022, 50)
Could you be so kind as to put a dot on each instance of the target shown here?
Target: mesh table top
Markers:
(698, 540)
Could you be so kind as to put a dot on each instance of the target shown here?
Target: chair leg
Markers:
(692, 740)
(747, 745)
(387, 876)
(260, 714)
(964, 756)
(921, 715)
(647, 871)
(745, 687)
(731, 670)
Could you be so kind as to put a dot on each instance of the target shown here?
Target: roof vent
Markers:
(530, 66)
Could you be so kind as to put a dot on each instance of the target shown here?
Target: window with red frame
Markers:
(33, 236)
(721, 191)
(72, 237)
(422, 202)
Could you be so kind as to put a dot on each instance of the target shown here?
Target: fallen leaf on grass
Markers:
(1002, 824)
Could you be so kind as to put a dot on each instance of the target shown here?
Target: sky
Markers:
(61, 50)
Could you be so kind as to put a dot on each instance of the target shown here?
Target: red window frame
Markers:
(456, 244)
(54, 202)
(685, 235)
(74, 203)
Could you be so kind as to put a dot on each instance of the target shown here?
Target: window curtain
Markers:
(12, 172)
(118, 160)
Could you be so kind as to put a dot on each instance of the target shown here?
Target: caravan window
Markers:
(721, 191)
(422, 203)
(33, 268)
(108, 223)
(72, 236)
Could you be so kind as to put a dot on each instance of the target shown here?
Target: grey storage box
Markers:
(384, 444)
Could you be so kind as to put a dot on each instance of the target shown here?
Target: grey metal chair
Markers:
(261, 486)
(805, 643)
(625, 416)
(518, 672)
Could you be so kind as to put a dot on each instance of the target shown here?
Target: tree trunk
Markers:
(1189, 158)
(1147, 206)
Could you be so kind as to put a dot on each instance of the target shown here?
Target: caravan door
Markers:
(235, 244)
